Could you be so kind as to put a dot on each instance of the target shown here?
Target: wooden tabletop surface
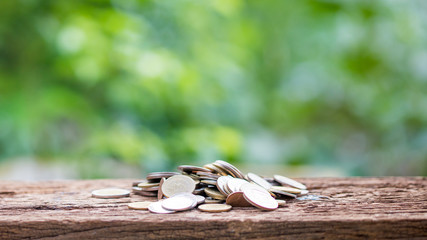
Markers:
(358, 208)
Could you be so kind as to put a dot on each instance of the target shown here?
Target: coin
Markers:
(150, 189)
(260, 199)
(209, 182)
(110, 193)
(304, 192)
(159, 175)
(236, 172)
(213, 201)
(237, 199)
(180, 202)
(135, 184)
(136, 189)
(198, 191)
(200, 199)
(139, 205)
(214, 207)
(227, 189)
(156, 207)
(259, 180)
(221, 183)
(223, 169)
(253, 186)
(281, 203)
(215, 194)
(207, 175)
(215, 169)
(287, 181)
(193, 176)
(178, 184)
(276, 191)
(145, 193)
(234, 184)
(147, 185)
(288, 189)
(159, 192)
(190, 168)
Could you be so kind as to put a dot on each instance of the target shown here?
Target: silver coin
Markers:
(253, 186)
(304, 192)
(221, 184)
(275, 191)
(194, 197)
(156, 207)
(281, 203)
(110, 193)
(231, 168)
(179, 203)
(260, 199)
(200, 199)
(259, 180)
(287, 181)
(178, 184)
(288, 189)
(234, 184)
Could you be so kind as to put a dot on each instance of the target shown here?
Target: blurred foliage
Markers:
(157, 83)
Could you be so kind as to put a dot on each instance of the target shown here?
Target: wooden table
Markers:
(359, 208)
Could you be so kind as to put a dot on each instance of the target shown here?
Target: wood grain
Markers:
(359, 208)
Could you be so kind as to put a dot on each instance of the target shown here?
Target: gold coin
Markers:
(178, 184)
(110, 193)
(159, 192)
(237, 199)
(135, 184)
(209, 182)
(139, 205)
(147, 185)
(214, 208)
(215, 194)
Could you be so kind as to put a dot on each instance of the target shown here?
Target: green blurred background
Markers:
(119, 88)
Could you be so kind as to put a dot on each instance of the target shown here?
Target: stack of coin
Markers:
(151, 185)
(215, 183)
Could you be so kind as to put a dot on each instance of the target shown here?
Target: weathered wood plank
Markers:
(391, 207)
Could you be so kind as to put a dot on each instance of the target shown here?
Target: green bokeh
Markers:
(153, 84)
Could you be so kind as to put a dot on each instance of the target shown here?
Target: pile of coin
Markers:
(215, 187)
